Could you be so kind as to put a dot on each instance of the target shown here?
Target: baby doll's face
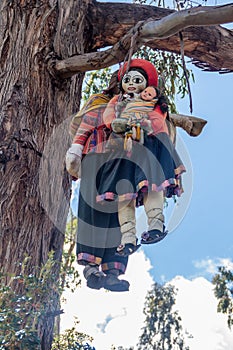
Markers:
(133, 81)
(148, 94)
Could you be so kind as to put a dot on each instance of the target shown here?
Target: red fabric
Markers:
(110, 113)
(92, 133)
(146, 66)
(158, 121)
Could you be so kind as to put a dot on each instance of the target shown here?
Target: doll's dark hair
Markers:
(162, 100)
(163, 103)
(113, 87)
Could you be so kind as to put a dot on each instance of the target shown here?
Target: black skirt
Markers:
(98, 232)
(152, 166)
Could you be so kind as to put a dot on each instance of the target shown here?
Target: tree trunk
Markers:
(34, 137)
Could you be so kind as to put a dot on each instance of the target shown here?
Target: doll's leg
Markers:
(153, 204)
(127, 220)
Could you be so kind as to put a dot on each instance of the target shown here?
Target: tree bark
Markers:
(34, 136)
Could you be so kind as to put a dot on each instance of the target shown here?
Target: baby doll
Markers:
(135, 111)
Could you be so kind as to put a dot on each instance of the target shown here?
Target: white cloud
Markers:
(112, 318)
(117, 318)
(197, 306)
(210, 266)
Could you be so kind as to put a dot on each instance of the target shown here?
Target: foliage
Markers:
(96, 81)
(223, 290)
(172, 77)
(179, 4)
(72, 340)
(121, 348)
(21, 312)
(162, 330)
(69, 276)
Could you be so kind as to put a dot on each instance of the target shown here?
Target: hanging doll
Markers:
(149, 172)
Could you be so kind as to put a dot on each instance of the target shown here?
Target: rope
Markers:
(128, 57)
(185, 71)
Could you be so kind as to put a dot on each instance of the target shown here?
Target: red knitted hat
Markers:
(143, 64)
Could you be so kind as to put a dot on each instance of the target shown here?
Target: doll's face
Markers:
(133, 81)
(149, 93)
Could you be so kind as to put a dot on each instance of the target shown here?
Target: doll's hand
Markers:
(119, 125)
(145, 122)
(146, 125)
(73, 160)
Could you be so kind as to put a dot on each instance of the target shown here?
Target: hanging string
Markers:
(128, 56)
(131, 49)
(185, 71)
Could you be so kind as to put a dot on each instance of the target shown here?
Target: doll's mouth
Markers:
(131, 88)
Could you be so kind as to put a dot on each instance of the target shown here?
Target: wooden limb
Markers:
(192, 125)
(175, 22)
(97, 60)
(146, 31)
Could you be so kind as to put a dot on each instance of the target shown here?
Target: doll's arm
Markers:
(158, 120)
(75, 152)
(86, 128)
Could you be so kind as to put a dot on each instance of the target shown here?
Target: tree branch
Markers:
(175, 22)
(147, 30)
(192, 125)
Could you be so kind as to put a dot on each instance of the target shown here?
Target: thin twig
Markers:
(185, 71)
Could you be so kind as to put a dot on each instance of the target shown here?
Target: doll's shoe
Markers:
(153, 236)
(94, 277)
(127, 249)
(114, 284)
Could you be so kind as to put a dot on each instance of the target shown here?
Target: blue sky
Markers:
(189, 255)
(206, 229)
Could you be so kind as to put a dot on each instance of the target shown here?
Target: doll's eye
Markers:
(126, 80)
(137, 80)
